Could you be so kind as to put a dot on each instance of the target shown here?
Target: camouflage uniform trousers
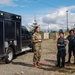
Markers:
(37, 55)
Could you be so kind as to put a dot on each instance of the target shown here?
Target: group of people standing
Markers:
(61, 47)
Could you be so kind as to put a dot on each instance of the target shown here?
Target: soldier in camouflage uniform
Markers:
(37, 40)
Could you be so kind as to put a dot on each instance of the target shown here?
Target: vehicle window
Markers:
(1, 32)
(9, 29)
(1, 28)
(25, 33)
(24, 30)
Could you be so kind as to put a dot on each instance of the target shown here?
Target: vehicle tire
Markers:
(9, 55)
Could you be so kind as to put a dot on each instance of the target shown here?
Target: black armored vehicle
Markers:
(14, 38)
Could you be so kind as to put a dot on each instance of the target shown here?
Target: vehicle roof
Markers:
(10, 13)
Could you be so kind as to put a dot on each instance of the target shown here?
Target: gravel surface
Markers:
(23, 64)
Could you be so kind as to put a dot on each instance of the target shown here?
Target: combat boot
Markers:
(39, 65)
(35, 65)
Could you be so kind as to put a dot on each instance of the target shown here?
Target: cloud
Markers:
(7, 3)
(71, 7)
(57, 19)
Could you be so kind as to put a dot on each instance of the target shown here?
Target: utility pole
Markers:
(67, 20)
(48, 28)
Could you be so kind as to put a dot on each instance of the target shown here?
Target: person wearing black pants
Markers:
(71, 45)
(61, 46)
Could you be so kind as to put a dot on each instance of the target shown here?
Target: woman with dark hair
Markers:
(71, 45)
(61, 46)
(37, 40)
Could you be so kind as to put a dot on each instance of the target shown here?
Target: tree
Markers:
(35, 24)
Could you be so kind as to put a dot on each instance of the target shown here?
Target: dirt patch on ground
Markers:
(23, 64)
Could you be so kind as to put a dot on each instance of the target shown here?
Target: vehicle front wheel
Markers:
(9, 55)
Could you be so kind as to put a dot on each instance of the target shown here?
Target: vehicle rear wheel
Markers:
(9, 56)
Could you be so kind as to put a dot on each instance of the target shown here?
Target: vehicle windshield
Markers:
(24, 30)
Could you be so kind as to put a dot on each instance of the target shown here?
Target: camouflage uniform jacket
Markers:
(35, 38)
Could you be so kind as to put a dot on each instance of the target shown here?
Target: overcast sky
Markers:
(49, 13)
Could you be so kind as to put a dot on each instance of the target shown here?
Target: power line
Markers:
(46, 4)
